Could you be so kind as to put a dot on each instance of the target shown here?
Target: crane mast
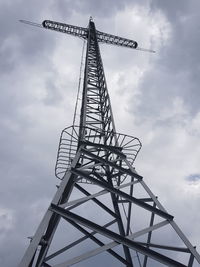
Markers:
(101, 196)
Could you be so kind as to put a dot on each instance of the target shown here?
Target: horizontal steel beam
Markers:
(186, 250)
(116, 40)
(65, 28)
(114, 149)
(123, 170)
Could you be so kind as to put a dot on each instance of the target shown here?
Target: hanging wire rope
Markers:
(77, 100)
(137, 255)
(79, 83)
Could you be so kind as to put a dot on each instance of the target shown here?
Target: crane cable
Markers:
(137, 254)
(76, 104)
(79, 83)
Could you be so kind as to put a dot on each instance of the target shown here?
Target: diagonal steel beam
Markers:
(97, 241)
(100, 193)
(172, 222)
(116, 237)
(113, 244)
(99, 203)
(123, 195)
(76, 242)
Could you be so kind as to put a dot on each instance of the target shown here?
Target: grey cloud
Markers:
(18, 42)
(193, 177)
(96, 9)
(53, 96)
(177, 63)
(173, 9)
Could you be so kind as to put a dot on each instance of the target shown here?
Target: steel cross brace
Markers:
(78, 241)
(123, 195)
(116, 237)
(89, 196)
(113, 244)
(106, 162)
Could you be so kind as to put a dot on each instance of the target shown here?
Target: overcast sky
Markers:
(154, 96)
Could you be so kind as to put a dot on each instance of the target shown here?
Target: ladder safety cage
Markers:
(128, 146)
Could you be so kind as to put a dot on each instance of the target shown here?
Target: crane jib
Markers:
(102, 37)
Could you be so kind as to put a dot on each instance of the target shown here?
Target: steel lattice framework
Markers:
(101, 198)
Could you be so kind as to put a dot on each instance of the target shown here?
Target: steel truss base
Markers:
(110, 228)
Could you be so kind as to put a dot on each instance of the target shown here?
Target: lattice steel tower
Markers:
(103, 213)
